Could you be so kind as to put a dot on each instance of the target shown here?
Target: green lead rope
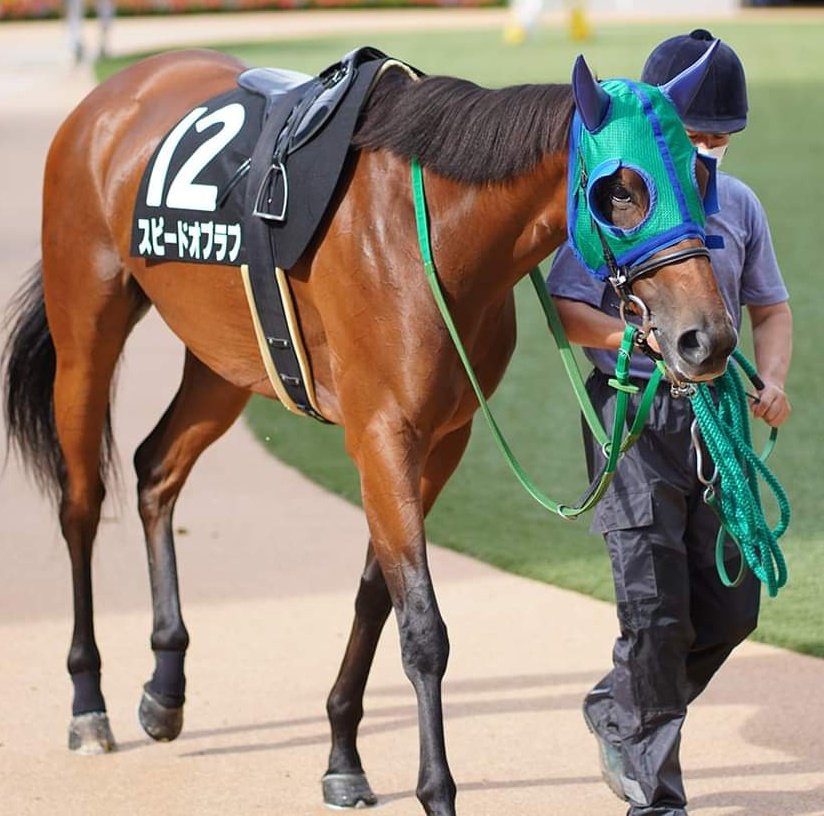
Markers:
(726, 433)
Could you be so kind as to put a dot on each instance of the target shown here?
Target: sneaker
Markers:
(610, 759)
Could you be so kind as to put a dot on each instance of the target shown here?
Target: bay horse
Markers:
(383, 365)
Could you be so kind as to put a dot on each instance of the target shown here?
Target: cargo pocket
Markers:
(624, 517)
(623, 510)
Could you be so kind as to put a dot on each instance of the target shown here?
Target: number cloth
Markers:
(184, 210)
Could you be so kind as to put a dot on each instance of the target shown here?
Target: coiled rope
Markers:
(733, 491)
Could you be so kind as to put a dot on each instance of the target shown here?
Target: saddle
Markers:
(293, 174)
(310, 103)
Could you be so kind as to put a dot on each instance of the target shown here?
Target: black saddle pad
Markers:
(190, 202)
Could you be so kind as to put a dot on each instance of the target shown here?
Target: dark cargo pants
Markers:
(678, 623)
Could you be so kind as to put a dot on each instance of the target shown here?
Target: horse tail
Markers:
(29, 363)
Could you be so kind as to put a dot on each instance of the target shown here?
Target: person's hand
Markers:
(772, 406)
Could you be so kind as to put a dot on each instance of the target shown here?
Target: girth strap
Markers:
(280, 223)
(260, 281)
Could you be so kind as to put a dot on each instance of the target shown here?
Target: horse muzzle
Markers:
(678, 299)
(700, 351)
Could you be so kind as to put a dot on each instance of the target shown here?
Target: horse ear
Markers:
(591, 100)
(681, 89)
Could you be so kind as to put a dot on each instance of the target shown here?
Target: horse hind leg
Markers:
(345, 784)
(89, 326)
(203, 409)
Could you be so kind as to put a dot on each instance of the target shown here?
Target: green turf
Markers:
(483, 511)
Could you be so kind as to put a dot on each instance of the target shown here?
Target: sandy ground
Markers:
(268, 601)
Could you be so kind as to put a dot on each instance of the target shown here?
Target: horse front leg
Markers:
(345, 784)
(424, 652)
(398, 486)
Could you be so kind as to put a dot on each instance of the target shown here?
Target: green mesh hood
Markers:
(644, 132)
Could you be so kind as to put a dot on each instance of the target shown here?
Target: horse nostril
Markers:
(694, 346)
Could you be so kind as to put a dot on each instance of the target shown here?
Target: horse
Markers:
(383, 366)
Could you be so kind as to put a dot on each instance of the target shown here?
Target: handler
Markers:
(678, 623)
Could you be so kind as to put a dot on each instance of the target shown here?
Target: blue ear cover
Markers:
(591, 100)
(711, 205)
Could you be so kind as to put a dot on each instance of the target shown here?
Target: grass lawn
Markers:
(483, 511)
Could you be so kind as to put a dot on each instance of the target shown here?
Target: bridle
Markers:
(623, 277)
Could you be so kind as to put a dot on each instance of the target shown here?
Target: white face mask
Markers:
(716, 153)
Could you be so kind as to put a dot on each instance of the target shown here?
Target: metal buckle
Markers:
(699, 461)
(274, 168)
(638, 303)
(678, 390)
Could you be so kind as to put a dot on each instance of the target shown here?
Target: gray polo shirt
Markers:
(746, 268)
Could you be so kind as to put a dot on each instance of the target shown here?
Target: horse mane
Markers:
(465, 132)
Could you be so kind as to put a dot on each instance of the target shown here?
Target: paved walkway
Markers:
(268, 602)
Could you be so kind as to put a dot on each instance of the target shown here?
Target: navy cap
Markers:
(720, 105)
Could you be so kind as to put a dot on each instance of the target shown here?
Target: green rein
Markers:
(725, 430)
(613, 444)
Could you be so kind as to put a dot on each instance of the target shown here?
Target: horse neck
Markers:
(486, 238)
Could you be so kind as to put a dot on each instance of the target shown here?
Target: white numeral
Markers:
(183, 193)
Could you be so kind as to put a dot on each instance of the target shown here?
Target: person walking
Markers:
(75, 11)
(677, 622)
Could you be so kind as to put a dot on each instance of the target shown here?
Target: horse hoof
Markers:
(159, 722)
(91, 734)
(347, 790)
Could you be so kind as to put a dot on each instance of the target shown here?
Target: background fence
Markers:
(40, 9)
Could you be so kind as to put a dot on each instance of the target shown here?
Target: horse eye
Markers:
(619, 202)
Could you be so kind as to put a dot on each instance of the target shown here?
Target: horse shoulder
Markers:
(366, 294)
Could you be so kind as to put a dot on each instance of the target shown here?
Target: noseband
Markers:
(622, 278)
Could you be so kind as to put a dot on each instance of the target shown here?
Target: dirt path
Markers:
(268, 604)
